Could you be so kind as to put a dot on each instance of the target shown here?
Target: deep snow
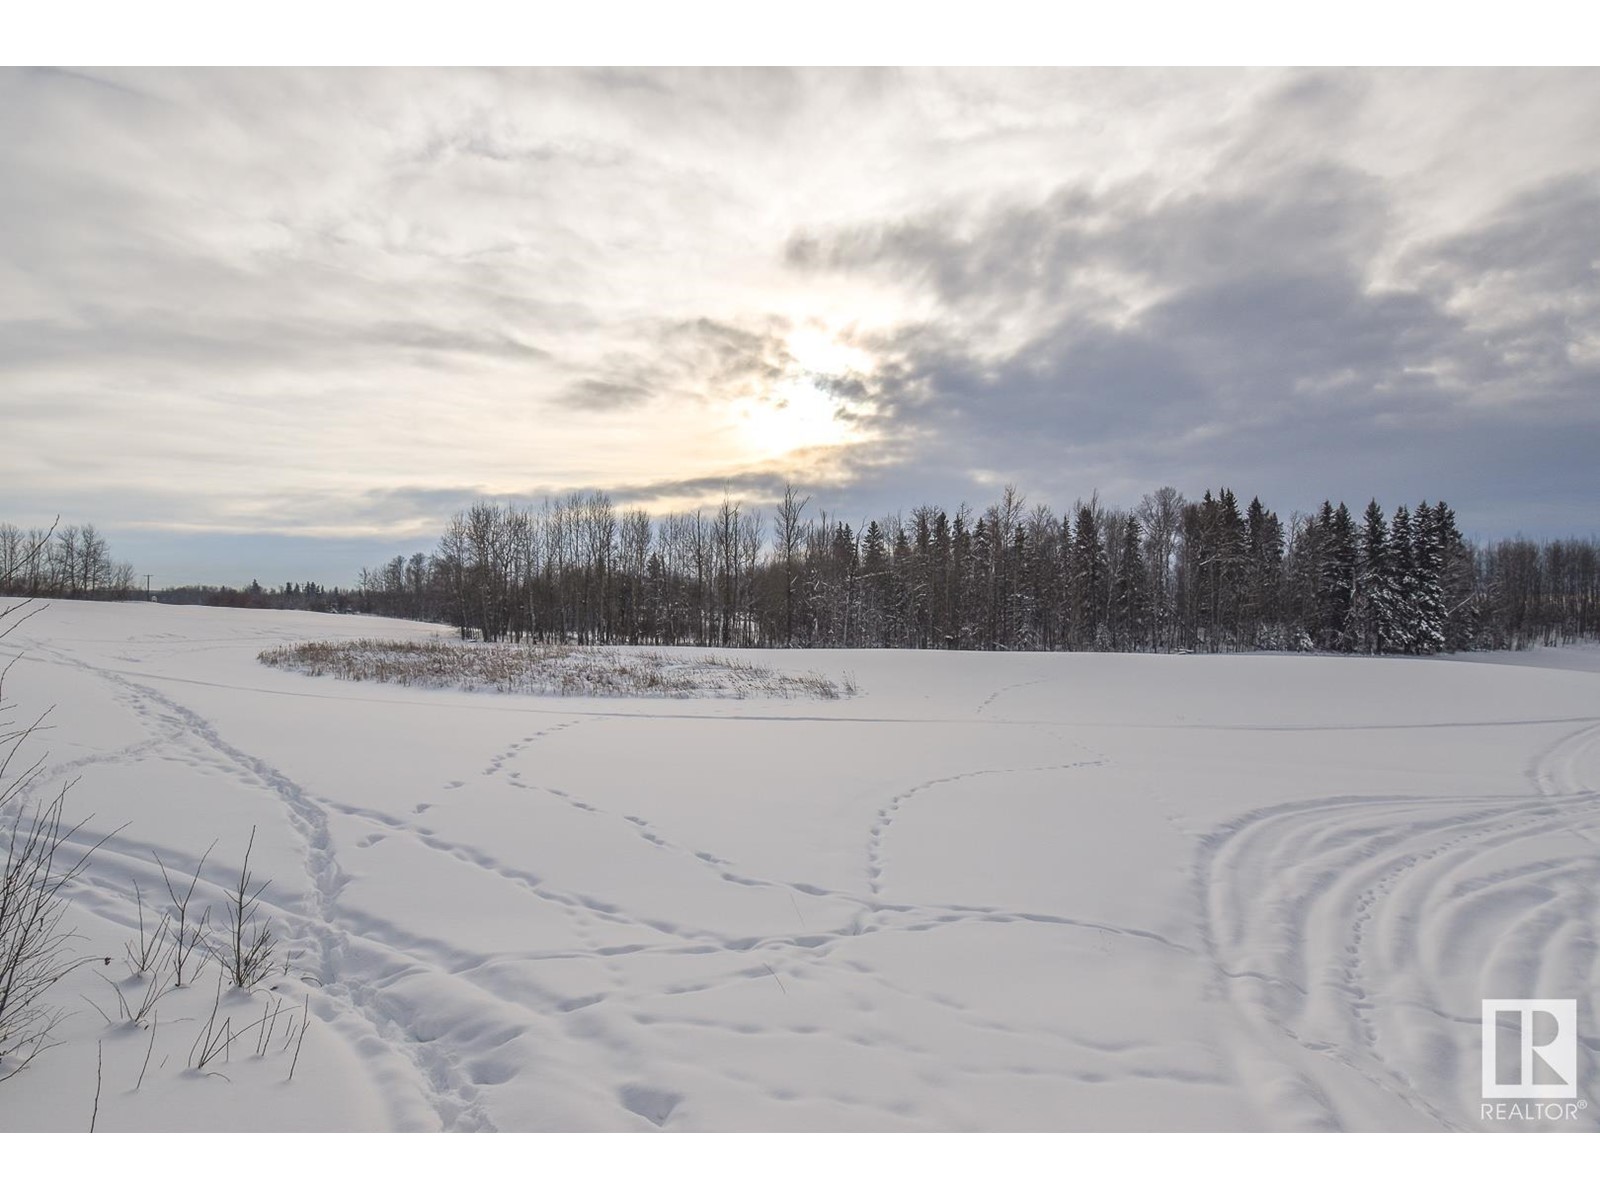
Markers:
(992, 891)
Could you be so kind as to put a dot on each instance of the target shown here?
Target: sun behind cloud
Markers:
(804, 409)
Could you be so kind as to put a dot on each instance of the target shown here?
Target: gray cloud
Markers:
(1528, 281)
(1256, 342)
(343, 302)
(686, 359)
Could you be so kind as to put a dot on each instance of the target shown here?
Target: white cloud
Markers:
(253, 300)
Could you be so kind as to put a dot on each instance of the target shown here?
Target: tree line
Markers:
(1171, 574)
(69, 562)
(308, 597)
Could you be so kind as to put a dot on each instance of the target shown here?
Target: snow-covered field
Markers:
(1010, 891)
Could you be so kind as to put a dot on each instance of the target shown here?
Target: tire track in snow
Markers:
(1365, 929)
(1558, 771)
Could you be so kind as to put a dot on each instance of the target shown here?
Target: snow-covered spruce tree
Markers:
(1042, 576)
(875, 584)
(1196, 572)
(1458, 577)
(977, 587)
(1266, 628)
(1375, 593)
(1090, 580)
(1303, 581)
(1336, 591)
(1427, 595)
(1403, 574)
(902, 587)
(1131, 592)
(1232, 573)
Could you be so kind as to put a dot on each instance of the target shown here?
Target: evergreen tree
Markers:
(1231, 548)
(1019, 626)
(1336, 595)
(902, 591)
(1131, 592)
(1428, 595)
(942, 627)
(980, 603)
(1458, 583)
(961, 570)
(1304, 573)
(1407, 630)
(1091, 592)
(1375, 597)
(1264, 581)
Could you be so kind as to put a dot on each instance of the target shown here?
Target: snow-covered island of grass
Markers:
(551, 669)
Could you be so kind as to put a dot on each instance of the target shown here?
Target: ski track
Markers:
(1301, 901)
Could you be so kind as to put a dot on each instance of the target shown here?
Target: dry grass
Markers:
(540, 669)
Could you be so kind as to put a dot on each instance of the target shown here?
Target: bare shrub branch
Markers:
(247, 956)
(34, 943)
(187, 934)
(146, 953)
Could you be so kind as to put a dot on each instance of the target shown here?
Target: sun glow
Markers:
(804, 408)
(793, 416)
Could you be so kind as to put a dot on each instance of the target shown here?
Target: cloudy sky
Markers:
(285, 323)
